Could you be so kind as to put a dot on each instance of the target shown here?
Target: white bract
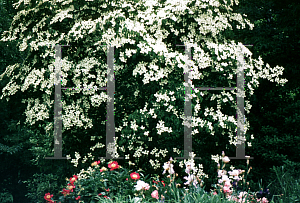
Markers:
(147, 25)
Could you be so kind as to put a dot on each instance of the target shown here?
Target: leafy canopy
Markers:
(149, 70)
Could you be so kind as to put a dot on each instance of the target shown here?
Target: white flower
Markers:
(151, 34)
(189, 179)
(168, 167)
(224, 179)
(225, 159)
(141, 185)
(234, 172)
(137, 200)
(221, 173)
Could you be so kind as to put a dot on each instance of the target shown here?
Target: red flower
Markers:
(71, 183)
(95, 163)
(113, 165)
(65, 192)
(77, 198)
(104, 196)
(71, 187)
(73, 179)
(159, 181)
(135, 176)
(48, 196)
(107, 190)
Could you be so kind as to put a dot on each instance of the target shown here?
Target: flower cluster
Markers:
(65, 192)
(48, 197)
(141, 185)
(153, 25)
(71, 186)
(225, 183)
(144, 191)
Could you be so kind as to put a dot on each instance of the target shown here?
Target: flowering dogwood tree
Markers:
(149, 79)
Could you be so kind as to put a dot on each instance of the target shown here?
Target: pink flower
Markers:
(227, 183)
(235, 199)
(154, 194)
(263, 200)
(226, 189)
(224, 179)
(225, 159)
(242, 196)
(146, 186)
(235, 174)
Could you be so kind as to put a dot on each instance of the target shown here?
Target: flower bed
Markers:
(97, 184)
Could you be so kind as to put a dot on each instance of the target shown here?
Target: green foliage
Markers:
(107, 183)
(274, 115)
(286, 184)
(273, 121)
(5, 196)
(40, 184)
